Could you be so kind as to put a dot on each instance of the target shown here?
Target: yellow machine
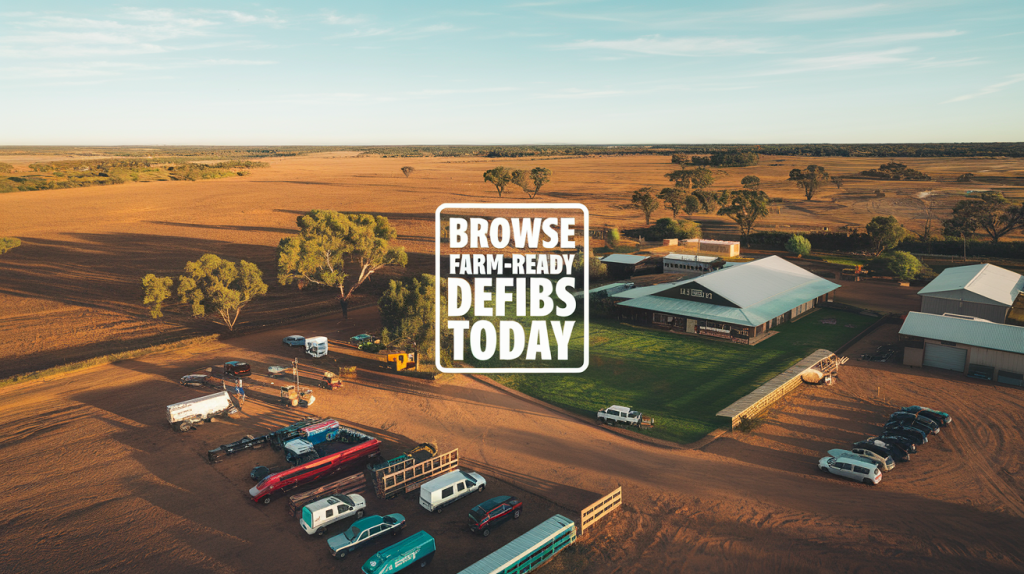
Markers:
(401, 361)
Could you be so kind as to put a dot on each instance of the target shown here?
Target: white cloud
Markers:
(269, 18)
(991, 89)
(841, 62)
(656, 45)
(811, 13)
(905, 37)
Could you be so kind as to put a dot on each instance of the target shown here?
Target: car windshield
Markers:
(346, 500)
(352, 533)
(469, 478)
(476, 515)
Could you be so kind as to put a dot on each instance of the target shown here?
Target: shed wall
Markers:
(937, 306)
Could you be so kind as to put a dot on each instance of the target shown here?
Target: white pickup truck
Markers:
(618, 414)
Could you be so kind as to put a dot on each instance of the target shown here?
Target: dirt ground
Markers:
(73, 291)
(97, 481)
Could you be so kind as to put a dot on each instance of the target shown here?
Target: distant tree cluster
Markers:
(810, 180)
(989, 211)
(731, 158)
(6, 167)
(895, 171)
(530, 182)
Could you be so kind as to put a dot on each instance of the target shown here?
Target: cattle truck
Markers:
(188, 414)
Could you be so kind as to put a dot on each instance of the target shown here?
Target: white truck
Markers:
(188, 414)
(619, 414)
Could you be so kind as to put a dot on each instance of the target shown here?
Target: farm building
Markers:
(969, 345)
(740, 303)
(683, 262)
(720, 248)
(623, 265)
(983, 291)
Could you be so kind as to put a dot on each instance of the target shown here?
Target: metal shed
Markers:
(968, 345)
(984, 291)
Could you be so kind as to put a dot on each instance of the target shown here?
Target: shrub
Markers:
(613, 238)
(798, 245)
(899, 264)
(667, 228)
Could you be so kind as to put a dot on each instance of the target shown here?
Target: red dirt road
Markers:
(96, 480)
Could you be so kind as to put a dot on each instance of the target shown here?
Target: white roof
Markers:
(444, 481)
(620, 408)
(689, 257)
(756, 281)
(984, 283)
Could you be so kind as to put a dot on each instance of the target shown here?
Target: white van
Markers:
(448, 488)
(854, 468)
(317, 516)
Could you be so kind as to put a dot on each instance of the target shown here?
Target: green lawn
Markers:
(681, 381)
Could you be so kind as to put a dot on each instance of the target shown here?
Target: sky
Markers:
(519, 72)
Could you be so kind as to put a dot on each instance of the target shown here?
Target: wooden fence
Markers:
(390, 485)
(591, 514)
(351, 484)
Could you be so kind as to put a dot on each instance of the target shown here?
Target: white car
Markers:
(852, 468)
(884, 465)
(618, 414)
(316, 517)
(295, 341)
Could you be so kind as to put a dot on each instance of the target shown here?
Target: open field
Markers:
(96, 480)
(681, 381)
(72, 290)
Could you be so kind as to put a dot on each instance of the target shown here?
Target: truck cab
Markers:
(316, 517)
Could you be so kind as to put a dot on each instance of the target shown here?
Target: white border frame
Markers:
(586, 286)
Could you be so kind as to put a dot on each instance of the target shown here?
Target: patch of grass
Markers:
(843, 260)
(106, 359)
(681, 381)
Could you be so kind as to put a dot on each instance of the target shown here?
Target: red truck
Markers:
(314, 470)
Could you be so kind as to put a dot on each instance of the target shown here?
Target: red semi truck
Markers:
(314, 470)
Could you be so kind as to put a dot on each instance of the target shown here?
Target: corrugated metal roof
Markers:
(752, 316)
(759, 281)
(998, 336)
(687, 257)
(648, 290)
(523, 546)
(624, 258)
(982, 283)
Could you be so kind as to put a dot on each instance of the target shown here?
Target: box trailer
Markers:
(188, 414)
(316, 347)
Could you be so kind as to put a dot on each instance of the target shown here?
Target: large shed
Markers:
(740, 303)
(622, 264)
(968, 345)
(984, 291)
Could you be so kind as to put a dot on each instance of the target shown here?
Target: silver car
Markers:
(884, 463)
(852, 468)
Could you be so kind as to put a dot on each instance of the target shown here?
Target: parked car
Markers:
(447, 488)
(494, 512)
(237, 369)
(915, 434)
(416, 549)
(883, 449)
(852, 468)
(295, 341)
(923, 423)
(317, 516)
(618, 414)
(364, 531)
(194, 380)
(884, 463)
(901, 441)
(940, 417)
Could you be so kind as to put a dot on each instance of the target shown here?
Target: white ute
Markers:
(318, 515)
(448, 488)
(854, 468)
(618, 414)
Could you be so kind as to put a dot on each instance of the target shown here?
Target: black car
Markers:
(237, 369)
(901, 441)
(897, 454)
(940, 417)
(923, 423)
(916, 436)
(903, 448)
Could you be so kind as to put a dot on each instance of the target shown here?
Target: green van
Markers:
(418, 548)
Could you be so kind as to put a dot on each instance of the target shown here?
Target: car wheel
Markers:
(423, 563)
(516, 514)
(321, 531)
(482, 487)
(867, 481)
(266, 499)
(394, 531)
(184, 427)
(439, 509)
(339, 555)
(213, 419)
(359, 514)
(486, 532)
